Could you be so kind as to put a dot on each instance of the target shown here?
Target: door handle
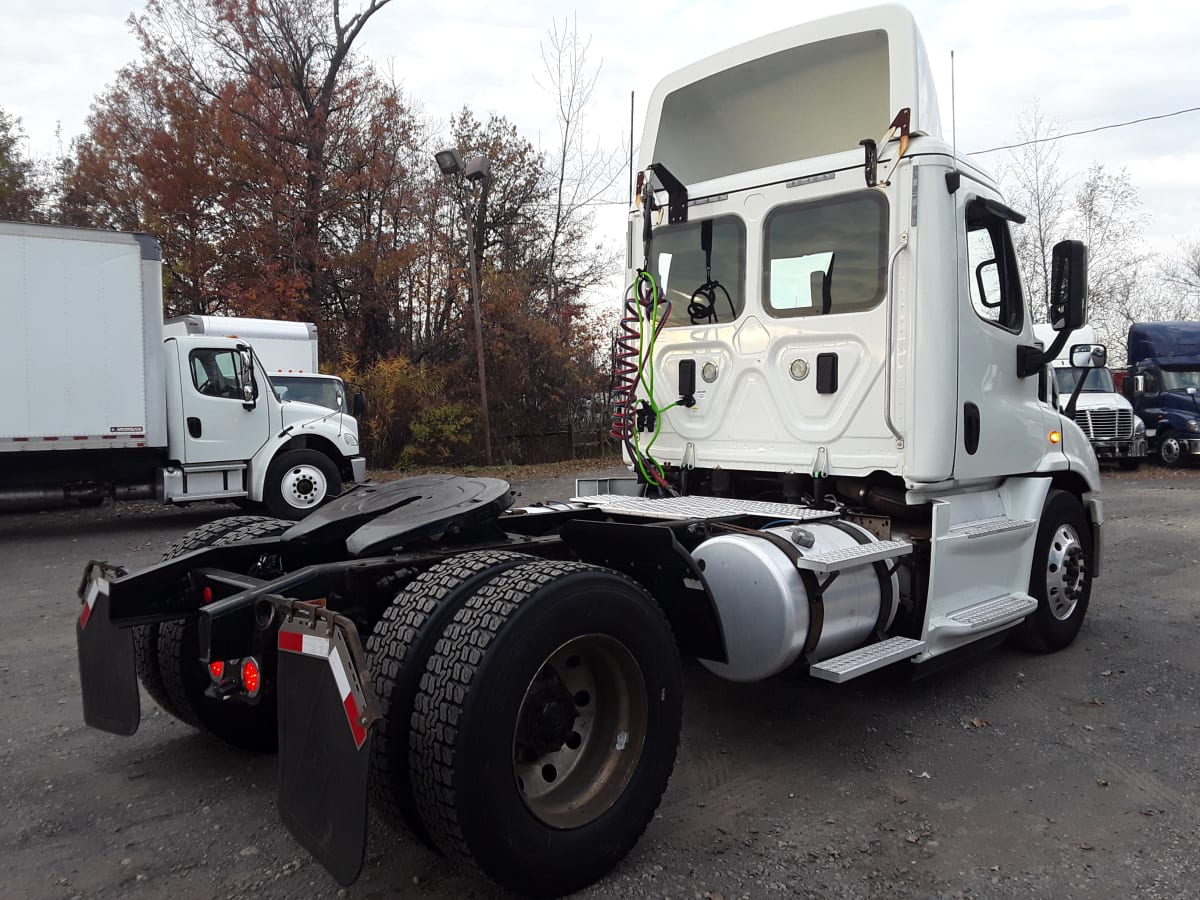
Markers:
(194, 428)
(970, 428)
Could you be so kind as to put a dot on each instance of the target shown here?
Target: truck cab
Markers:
(1162, 381)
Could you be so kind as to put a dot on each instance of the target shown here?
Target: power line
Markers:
(1059, 137)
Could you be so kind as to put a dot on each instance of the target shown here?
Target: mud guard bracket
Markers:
(107, 676)
(326, 719)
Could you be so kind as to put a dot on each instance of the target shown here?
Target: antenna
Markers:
(952, 177)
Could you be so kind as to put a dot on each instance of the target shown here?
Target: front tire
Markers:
(299, 481)
(1170, 450)
(1061, 577)
(546, 726)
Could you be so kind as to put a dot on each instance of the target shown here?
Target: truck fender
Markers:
(653, 556)
(261, 463)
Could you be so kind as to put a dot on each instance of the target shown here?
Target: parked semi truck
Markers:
(1116, 433)
(288, 351)
(1162, 381)
(846, 457)
(99, 404)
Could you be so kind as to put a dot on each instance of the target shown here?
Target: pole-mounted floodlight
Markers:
(449, 161)
(478, 168)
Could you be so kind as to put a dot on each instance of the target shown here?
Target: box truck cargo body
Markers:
(97, 403)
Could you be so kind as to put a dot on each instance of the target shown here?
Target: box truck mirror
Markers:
(358, 405)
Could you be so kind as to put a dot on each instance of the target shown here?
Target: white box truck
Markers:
(1117, 433)
(288, 351)
(847, 457)
(97, 403)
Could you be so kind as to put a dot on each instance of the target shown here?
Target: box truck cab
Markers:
(1105, 416)
(126, 413)
(1162, 380)
(288, 351)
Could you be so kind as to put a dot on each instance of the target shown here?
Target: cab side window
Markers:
(218, 373)
(992, 274)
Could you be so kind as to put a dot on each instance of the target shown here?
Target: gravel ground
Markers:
(1013, 775)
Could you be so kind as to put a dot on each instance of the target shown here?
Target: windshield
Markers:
(326, 392)
(1180, 379)
(1098, 381)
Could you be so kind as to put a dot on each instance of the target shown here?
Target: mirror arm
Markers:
(1069, 411)
(1030, 359)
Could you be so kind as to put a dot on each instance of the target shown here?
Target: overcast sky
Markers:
(1086, 63)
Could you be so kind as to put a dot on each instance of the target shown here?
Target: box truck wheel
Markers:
(1061, 579)
(145, 637)
(546, 726)
(397, 652)
(185, 677)
(298, 481)
(1170, 450)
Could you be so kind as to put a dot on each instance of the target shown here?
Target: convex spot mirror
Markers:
(1089, 356)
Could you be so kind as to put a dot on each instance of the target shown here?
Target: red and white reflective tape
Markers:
(89, 600)
(315, 645)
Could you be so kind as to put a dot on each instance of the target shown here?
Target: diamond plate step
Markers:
(866, 659)
(850, 557)
(990, 526)
(986, 615)
(701, 507)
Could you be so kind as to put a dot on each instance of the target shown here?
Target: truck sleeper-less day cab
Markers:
(847, 456)
(1104, 415)
(288, 352)
(1162, 381)
(100, 404)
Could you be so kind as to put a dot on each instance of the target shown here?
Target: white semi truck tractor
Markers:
(845, 455)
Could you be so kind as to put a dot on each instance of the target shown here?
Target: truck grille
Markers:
(1106, 424)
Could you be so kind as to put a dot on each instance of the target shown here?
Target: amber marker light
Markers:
(1055, 437)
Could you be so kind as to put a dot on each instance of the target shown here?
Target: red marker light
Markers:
(206, 595)
(250, 676)
(216, 670)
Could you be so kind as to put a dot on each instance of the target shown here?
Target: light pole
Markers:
(477, 168)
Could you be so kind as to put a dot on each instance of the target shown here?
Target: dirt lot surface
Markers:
(1071, 775)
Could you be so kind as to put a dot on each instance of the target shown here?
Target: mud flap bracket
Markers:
(107, 676)
(326, 718)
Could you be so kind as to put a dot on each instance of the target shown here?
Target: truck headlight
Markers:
(1193, 425)
(351, 440)
(1139, 427)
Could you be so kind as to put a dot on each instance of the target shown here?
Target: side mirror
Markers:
(1068, 286)
(250, 388)
(1139, 384)
(1089, 356)
(358, 405)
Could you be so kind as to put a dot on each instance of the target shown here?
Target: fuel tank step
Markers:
(990, 526)
(986, 615)
(850, 557)
(866, 659)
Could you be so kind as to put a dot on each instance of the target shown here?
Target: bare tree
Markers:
(1035, 186)
(584, 170)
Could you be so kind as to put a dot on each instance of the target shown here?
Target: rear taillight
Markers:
(216, 670)
(251, 677)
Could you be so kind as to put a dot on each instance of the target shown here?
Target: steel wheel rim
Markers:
(1066, 569)
(569, 784)
(1169, 450)
(304, 486)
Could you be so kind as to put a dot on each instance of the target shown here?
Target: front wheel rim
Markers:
(1066, 571)
(1169, 450)
(304, 487)
(580, 731)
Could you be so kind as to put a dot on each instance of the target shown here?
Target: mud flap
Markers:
(107, 676)
(326, 719)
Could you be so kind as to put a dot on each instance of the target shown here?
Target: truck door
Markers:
(219, 425)
(1002, 426)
